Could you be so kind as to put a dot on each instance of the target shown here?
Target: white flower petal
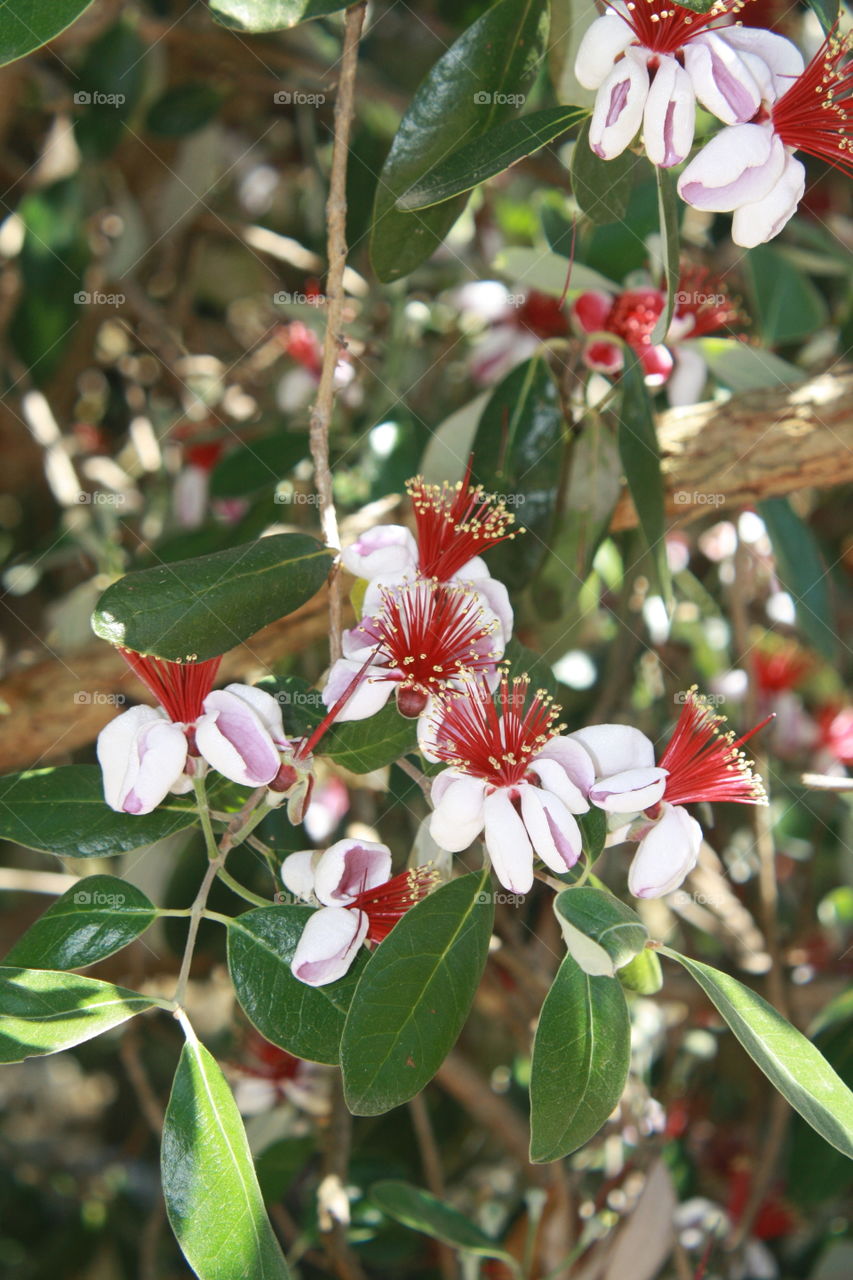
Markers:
(615, 747)
(142, 756)
(555, 780)
(600, 47)
(721, 79)
(553, 831)
(297, 873)
(507, 842)
(457, 816)
(618, 111)
(780, 55)
(266, 706)
(630, 791)
(760, 221)
(387, 548)
(738, 166)
(688, 378)
(328, 946)
(666, 855)
(573, 758)
(233, 739)
(369, 697)
(349, 867)
(669, 118)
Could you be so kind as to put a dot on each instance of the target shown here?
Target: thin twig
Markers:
(336, 212)
(431, 1161)
(412, 771)
(149, 1103)
(336, 1153)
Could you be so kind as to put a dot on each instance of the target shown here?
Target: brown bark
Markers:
(756, 445)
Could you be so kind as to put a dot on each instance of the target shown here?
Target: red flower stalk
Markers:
(495, 738)
(664, 27)
(386, 903)
(815, 114)
(705, 763)
(455, 523)
(179, 687)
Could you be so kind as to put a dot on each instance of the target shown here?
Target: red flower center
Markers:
(634, 315)
(385, 904)
(665, 27)
(179, 687)
(815, 114)
(455, 523)
(703, 296)
(705, 763)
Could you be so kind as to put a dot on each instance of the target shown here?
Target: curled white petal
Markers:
(328, 946)
(573, 758)
(508, 843)
(387, 548)
(688, 378)
(779, 54)
(615, 747)
(760, 221)
(618, 111)
(266, 706)
(369, 696)
(601, 45)
(234, 739)
(553, 830)
(669, 118)
(142, 756)
(738, 166)
(721, 78)
(556, 781)
(666, 854)
(297, 873)
(630, 791)
(457, 816)
(347, 868)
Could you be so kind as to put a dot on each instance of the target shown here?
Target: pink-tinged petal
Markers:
(604, 357)
(590, 310)
(600, 47)
(618, 111)
(297, 873)
(553, 831)
(666, 854)
(614, 748)
(507, 842)
(357, 642)
(369, 697)
(554, 780)
(348, 868)
(267, 708)
(495, 597)
(780, 55)
(630, 791)
(721, 79)
(142, 756)
(687, 381)
(388, 548)
(573, 758)
(657, 365)
(190, 496)
(457, 817)
(377, 588)
(669, 118)
(234, 740)
(738, 166)
(759, 222)
(328, 946)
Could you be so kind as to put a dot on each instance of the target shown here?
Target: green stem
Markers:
(241, 890)
(204, 814)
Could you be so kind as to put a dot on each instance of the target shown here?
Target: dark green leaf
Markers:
(489, 154)
(827, 12)
(27, 24)
(790, 1061)
(816, 1171)
(801, 570)
(212, 1195)
(62, 811)
(414, 995)
(270, 15)
(279, 1165)
(109, 84)
(610, 924)
(523, 661)
(44, 1012)
(196, 609)
(426, 1213)
(306, 1021)
(593, 825)
(183, 109)
(258, 465)
(642, 974)
(638, 449)
(591, 495)
(787, 306)
(97, 916)
(580, 1061)
(476, 85)
(670, 253)
(518, 453)
(602, 188)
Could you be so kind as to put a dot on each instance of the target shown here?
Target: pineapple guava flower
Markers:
(512, 775)
(359, 902)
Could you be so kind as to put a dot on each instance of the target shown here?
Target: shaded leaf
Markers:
(786, 305)
(642, 974)
(258, 465)
(802, 573)
(743, 367)
(270, 15)
(183, 109)
(638, 449)
(550, 272)
(426, 1213)
(42, 1011)
(668, 214)
(602, 188)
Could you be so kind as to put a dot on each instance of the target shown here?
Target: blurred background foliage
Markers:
(161, 272)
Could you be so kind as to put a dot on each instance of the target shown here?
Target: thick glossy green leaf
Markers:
(593, 825)
(108, 87)
(592, 492)
(426, 1213)
(642, 974)
(97, 916)
(518, 453)
(414, 995)
(27, 24)
(62, 811)
(196, 609)
(786, 305)
(486, 156)
(581, 1054)
(743, 367)
(801, 571)
(549, 272)
(306, 1021)
(478, 83)
(790, 1061)
(270, 15)
(638, 449)
(602, 188)
(599, 917)
(670, 252)
(212, 1195)
(258, 465)
(183, 109)
(817, 1172)
(42, 1011)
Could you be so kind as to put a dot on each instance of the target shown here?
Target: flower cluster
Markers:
(652, 61)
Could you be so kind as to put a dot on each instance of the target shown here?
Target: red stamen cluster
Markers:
(541, 315)
(705, 763)
(666, 28)
(455, 523)
(634, 315)
(815, 114)
(703, 296)
(385, 904)
(495, 738)
(779, 669)
(179, 687)
(428, 634)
